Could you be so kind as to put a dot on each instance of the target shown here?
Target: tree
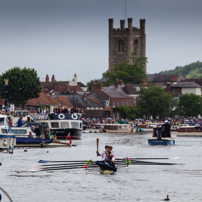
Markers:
(127, 112)
(154, 101)
(90, 83)
(23, 85)
(131, 71)
(190, 105)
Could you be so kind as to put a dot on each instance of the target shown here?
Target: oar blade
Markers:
(43, 161)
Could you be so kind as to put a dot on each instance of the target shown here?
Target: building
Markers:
(62, 87)
(123, 41)
(162, 79)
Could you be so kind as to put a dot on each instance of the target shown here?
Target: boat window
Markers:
(64, 124)
(1, 121)
(75, 124)
(191, 129)
(80, 125)
(54, 124)
(19, 131)
(4, 130)
(186, 129)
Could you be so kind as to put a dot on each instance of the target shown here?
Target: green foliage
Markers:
(191, 71)
(23, 85)
(154, 101)
(90, 84)
(127, 112)
(190, 105)
(131, 71)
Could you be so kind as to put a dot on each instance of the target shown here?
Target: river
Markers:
(183, 183)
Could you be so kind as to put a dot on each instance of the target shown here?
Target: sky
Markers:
(67, 37)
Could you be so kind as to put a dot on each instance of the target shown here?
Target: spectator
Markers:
(20, 122)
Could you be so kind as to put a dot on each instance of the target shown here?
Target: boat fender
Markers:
(74, 116)
(4, 143)
(61, 116)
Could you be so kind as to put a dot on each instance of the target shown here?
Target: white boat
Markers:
(61, 124)
(189, 131)
(118, 128)
(7, 138)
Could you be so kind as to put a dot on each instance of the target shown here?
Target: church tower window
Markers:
(120, 46)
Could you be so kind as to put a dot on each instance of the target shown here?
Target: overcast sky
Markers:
(63, 37)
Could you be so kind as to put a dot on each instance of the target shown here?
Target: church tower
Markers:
(123, 41)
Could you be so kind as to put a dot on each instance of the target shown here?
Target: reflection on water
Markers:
(134, 183)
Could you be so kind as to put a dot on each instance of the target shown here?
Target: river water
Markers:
(134, 183)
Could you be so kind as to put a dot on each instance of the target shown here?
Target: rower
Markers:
(108, 159)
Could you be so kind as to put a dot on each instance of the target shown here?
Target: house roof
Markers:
(63, 101)
(114, 92)
(198, 81)
(187, 84)
(164, 78)
(79, 101)
(43, 99)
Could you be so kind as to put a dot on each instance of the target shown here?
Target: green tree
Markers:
(131, 71)
(24, 84)
(154, 101)
(127, 112)
(190, 105)
(90, 83)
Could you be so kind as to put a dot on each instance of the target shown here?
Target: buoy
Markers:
(25, 150)
(167, 199)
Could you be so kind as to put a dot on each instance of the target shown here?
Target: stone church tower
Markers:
(123, 41)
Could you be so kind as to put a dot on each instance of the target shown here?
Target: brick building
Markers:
(62, 87)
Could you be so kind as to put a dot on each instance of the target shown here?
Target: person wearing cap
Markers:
(166, 129)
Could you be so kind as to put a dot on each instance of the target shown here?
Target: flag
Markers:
(70, 140)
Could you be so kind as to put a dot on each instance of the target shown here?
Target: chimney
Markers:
(53, 78)
(175, 78)
(116, 84)
(47, 78)
(144, 81)
(96, 87)
(168, 87)
(121, 82)
(84, 95)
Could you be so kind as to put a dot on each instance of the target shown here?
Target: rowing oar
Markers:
(47, 161)
(147, 158)
(68, 164)
(97, 141)
(134, 162)
(62, 168)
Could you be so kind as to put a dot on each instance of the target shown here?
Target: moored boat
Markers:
(118, 128)
(62, 124)
(189, 131)
(7, 138)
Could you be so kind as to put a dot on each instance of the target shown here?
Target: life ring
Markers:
(61, 116)
(147, 126)
(74, 116)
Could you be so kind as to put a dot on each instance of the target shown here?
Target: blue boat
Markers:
(158, 140)
(26, 140)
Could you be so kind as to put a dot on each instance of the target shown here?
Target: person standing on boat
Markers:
(166, 128)
(20, 122)
(37, 131)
